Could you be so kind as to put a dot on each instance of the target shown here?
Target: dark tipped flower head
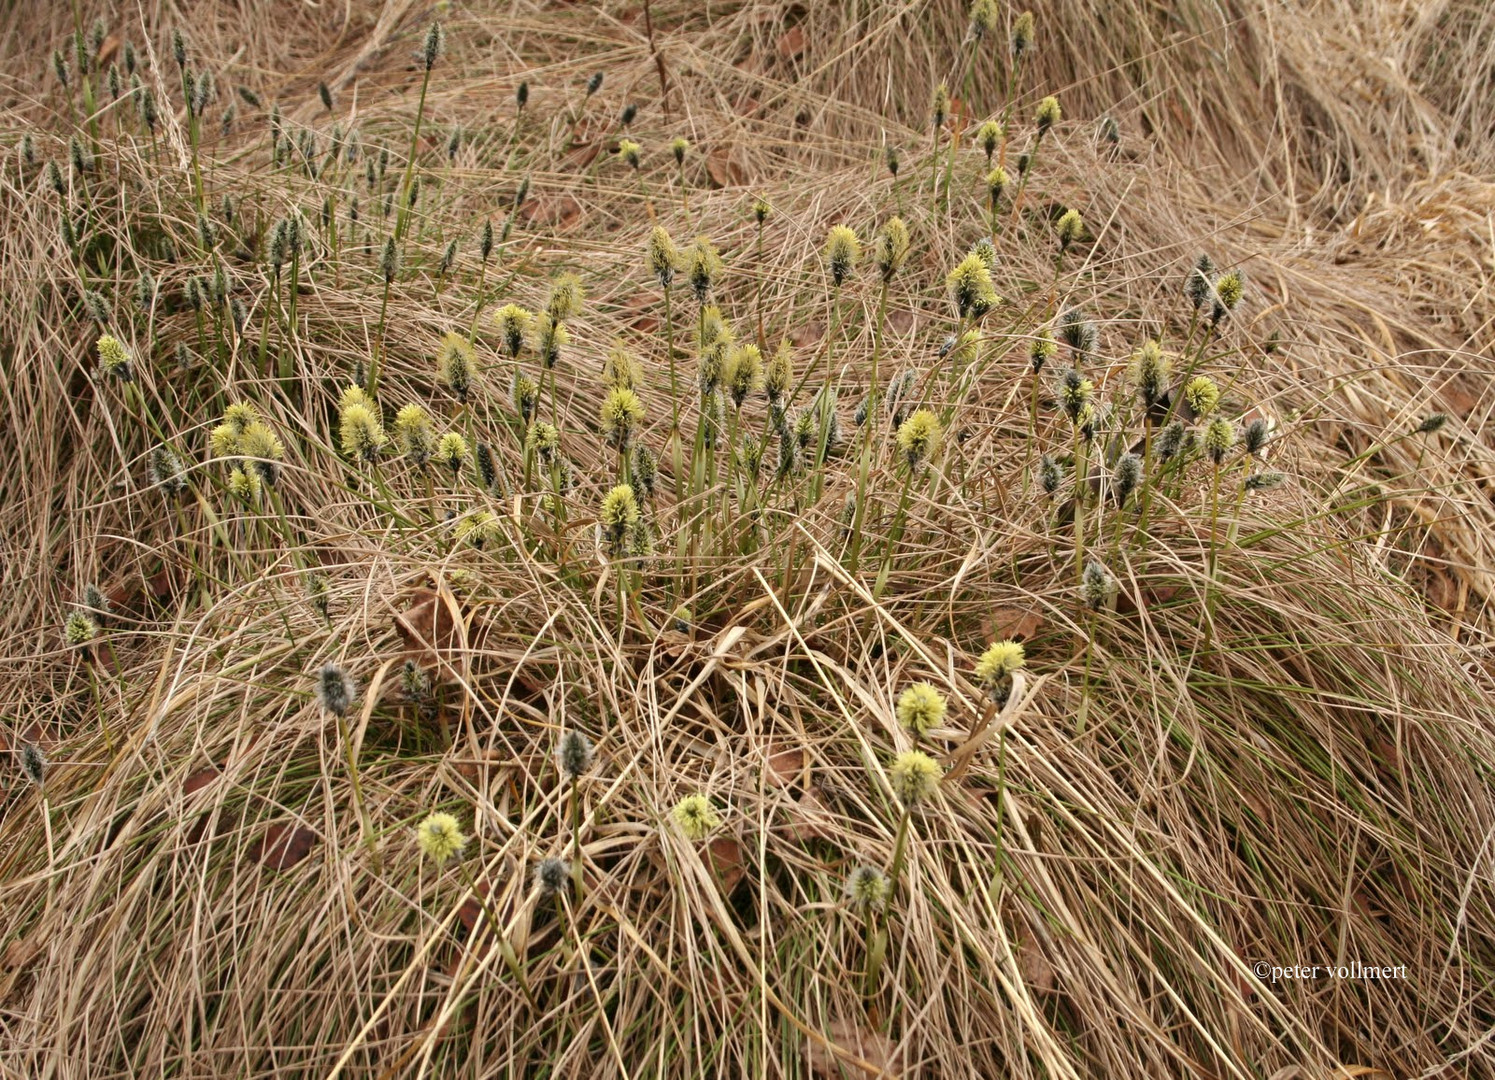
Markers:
(890, 159)
(1048, 114)
(574, 755)
(892, 248)
(696, 817)
(661, 256)
(434, 43)
(1022, 35)
(703, 264)
(521, 94)
(1149, 372)
(989, 137)
(335, 690)
(1075, 394)
(1050, 474)
(544, 442)
(551, 876)
(679, 147)
(1219, 437)
(1171, 441)
(566, 295)
(361, 432)
(594, 83)
(1097, 586)
(1069, 228)
(919, 438)
(616, 517)
(1255, 435)
(779, 379)
(995, 666)
(1264, 481)
(630, 152)
(525, 395)
(842, 253)
(1197, 285)
(80, 628)
(1434, 422)
(513, 324)
(1125, 477)
(114, 361)
(867, 889)
(743, 372)
(971, 287)
(166, 471)
(1041, 349)
(457, 365)
(1078, 332)
(33, 763)
(983, 18)
(914, 776)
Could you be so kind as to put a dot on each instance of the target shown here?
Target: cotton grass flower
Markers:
(440, 838)
(574, 755)
(513, 324)
(361, 433)
(80, 628)
(1069, 228)
(1219, 437)
(661, 256)
(457, 365)
(1098, 586)
(702, 265)
(1150, 370)
(114, 360)
(842, 253)
(921, 707)
(622, 413)
(1048, 114)
(989, 137)
(919, 438)
(551, 876)
(566, 296)
(616, 518)
(1202, 395)
(891, 248)
(867, 889)
(451, 451)
(696, 817)
(336, 692)
(971, 287)
(414, 436)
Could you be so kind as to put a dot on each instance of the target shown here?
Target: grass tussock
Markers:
(637, 542)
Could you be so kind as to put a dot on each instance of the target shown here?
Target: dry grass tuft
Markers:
(1272, 745)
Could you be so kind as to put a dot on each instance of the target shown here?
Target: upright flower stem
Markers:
(864, 468)
(403, 216)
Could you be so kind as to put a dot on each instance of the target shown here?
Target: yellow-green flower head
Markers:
(544, 441)
(1048, 114)
(244, 486)
(921, 707)
(713, 328)
(1219, 437)
(1149, 372)
(696, 816)
(962, 350)
(223, 441)
(239, 416)
(630, 152)
(413, 434)
(1042, 349)
(996, 183)
(480, 529)
(513, 323)
(566, 295)
(361, 432)
(779, 379)
(744, 372)
(940, 106)
(526, 396)
(915, 776)
(989, 137)
(113, 359)
(712, 363)
(842, 252)
(80, 628)
(971, 288)
(265, 449)
(1075, 393)
(1022, 34)
(620, 371)
(762, 210)
(679, 147)
(702, 265)
(661, 256)
(983, 17)
(867, 889)
(451, 451)
(1086, 419)
(617, 518)
(551, 336)
(354, 395)
(1069, 228)
(999, 662)
(892, 248)
(919, 437)
(986, 251)
(1228, 287)
(440, 838)
(457, 365)
(622, 413)
(1202, 395)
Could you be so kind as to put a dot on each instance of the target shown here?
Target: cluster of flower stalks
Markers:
(714, 453)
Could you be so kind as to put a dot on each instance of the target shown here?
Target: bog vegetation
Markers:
(748, 540)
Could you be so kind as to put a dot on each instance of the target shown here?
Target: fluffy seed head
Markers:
(551, 876)
(413, 434)
(1050, 474)
(779, 379)
(696, 816)
(1171, 441)
(703, 264)
(1256, 435)
(1149, 372)
(1197, 284)
(743, 372)
(921, 707)
(434, 43)
(335, 691)
(1097, 586)
(630, 152)
(983, 17)
(914, 776)
(1125, 477)
(440, 838)
(113, 359)
(544, 441)
(940, 105)
(166, 471)
(573, 755)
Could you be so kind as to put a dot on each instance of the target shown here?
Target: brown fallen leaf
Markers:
(785, 765)
(200, 779)
(900, 321)
(1034, 966)
(558, 211)
(19, 953)
(432, 638)
(791, 42)
(807, 334)
(723, 167)
(282, 846)
(724, 856)
(872, 1047)
(809, 818)
(1013, 622)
